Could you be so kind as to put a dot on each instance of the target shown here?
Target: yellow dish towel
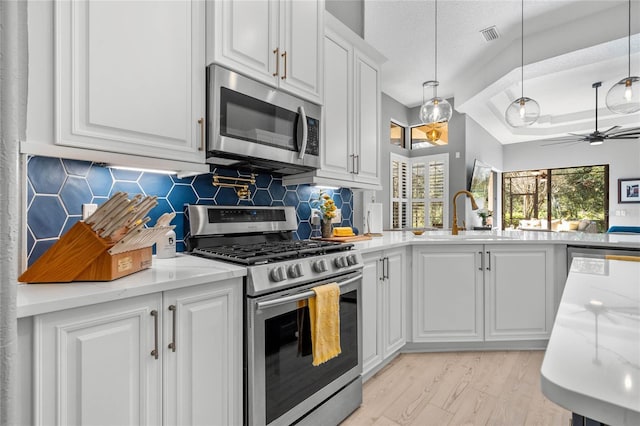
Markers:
(324, 312)
(619, 257)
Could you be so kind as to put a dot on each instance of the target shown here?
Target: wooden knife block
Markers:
(82, 255)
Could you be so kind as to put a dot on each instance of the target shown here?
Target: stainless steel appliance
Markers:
(281, 384)
(251, 124)
(596, 253)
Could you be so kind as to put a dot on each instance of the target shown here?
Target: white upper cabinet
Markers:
(124, 77)
(278, 42)
(366, 143)
(350, 150)
(338, 110)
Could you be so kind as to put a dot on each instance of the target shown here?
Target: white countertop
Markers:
(186, 270)
(391, 239)
(165, 274)
(592, 362)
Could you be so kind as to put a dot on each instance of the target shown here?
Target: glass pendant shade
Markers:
(624, 96)
(436, 110)
(522, 112)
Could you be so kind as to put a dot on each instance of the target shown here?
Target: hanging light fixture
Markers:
(435, 110)
(523, 111)
(623, 97)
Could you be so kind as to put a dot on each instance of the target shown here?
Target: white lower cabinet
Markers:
(475, 293)
(519, 292)
(168, 358)
(448, 290)
(384, 306)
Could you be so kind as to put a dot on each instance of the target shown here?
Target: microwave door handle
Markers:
(302, 117)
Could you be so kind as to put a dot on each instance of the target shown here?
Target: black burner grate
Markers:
(255, 254)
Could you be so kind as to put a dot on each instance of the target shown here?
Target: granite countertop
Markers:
(165, 274)
(592, 362)
(391, 239)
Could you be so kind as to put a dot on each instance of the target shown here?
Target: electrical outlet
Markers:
(338, 217)
(315, 217)
(88, 210)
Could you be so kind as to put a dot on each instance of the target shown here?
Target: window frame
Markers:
(406, 204)
(548, 198)
(404, 128)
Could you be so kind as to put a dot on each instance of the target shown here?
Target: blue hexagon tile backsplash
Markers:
(57, 188)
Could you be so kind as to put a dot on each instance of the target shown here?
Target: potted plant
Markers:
(327, 208)
(484, 214)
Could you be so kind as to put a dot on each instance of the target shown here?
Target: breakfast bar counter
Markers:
(592, 362)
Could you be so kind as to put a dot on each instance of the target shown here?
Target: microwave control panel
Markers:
(313, 136)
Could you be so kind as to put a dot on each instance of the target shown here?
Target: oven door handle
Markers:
(300, 296)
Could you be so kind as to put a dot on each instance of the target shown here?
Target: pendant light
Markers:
(523, 111)
(624, 97)
(435, 110)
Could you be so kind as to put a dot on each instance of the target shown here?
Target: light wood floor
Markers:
(459, 388)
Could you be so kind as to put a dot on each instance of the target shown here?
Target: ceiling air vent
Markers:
(490, 34)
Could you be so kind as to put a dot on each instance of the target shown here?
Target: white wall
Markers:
(622, 156)
(482, 146)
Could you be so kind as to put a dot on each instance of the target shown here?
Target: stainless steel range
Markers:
(282, 386)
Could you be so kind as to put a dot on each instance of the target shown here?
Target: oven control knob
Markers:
(278, 274)
(295, 271)
(340, 262)
(320, 266)
(352, 259)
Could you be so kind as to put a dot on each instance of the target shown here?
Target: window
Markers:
(397, 133)
(566, 199)
(419, 191)
(429, 135)
(399, 187)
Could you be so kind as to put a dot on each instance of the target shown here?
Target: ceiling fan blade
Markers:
(624, 137)
(624, 134)
(612, 128)
(628, 130)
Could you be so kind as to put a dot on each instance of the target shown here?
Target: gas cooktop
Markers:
(268, 252)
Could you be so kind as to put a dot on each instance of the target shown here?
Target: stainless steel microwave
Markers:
(253, 125)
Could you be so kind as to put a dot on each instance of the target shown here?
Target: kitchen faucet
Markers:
(474, 206)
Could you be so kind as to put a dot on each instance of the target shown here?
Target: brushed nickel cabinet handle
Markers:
(481, 261)
(276, 52)
(154, 352)
(489, 261)
(172, 345)
(201, 123)
(284, 55)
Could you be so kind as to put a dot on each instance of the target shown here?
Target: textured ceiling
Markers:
(568, 45)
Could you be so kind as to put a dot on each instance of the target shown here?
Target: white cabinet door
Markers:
(367, 119)
(203, 355)
(371, 308)
(130, 78)
(338, 109)
(278, 42)
(448, 294)
(245, 36)
(519, 287)
(301, 29)
(394, 301)
(94, 365)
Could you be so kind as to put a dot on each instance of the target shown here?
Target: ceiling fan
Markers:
(597, 137)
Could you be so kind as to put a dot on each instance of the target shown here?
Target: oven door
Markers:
(250, 120)
(282, 384)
